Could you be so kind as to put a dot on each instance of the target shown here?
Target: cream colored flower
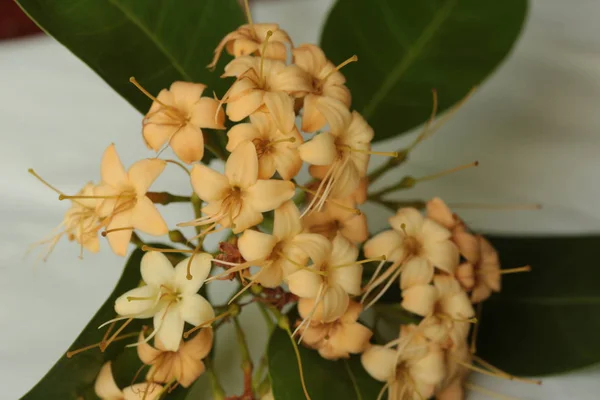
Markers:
(275, 151)
(328, 94)
(481, 276)
(453, 308)
(336, 339)
(412, 370)
(415, 246)
(265, 85)
(250, 39)
(124, 202)
(453, 385)
(184, 365)
(341, 218)
(177, 117)
(238, 198)
(338, 158)
(285, 251)
(106, 388)
(330, 282)
(169, 296)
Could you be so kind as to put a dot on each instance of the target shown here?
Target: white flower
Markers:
(169, 296)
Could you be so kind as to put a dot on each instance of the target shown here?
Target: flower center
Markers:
(412, 245)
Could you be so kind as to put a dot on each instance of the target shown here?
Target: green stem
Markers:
(393, 205)
(197, 205)
(176, 236)
(246, 365)
(165, 198)
(136, 240)
(217, 390)
(405, 183)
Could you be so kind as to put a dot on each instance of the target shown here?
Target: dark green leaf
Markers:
(346, 379)
(545, 321)
(406, 48)
(73, 378)
(157, 41)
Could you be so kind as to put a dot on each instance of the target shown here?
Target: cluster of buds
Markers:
(313, 246)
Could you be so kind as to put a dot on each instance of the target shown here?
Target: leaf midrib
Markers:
(411, 54)
(552, 301)
(144, 29)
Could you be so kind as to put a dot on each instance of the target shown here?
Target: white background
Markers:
(533, 126)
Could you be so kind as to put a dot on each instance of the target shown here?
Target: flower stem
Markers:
(165, 198)
(176, 236)
(405, 183)
(246, 365)
(136, 240)
(217, 389)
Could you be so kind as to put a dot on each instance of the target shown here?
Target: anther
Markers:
(352, 59)
(526, 268)
(125, 228)
(32, 172)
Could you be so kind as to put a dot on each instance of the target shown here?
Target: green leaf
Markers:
(545, 321)
(156, 41)
(406, 48)
(345, 378)
(73, 378)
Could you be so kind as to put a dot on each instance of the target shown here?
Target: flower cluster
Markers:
(287, 242)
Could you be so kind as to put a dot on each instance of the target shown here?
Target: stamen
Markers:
(262, 55)
(478, 313)
(502, 375)
(134, 298)
(290, 139)
(382, 391)
(352, 59)
(381, 258)
(447, 172)
(180, 165)
(206, 323)
(375, 153)
(526, 268)
(112, 338)
(496, 206)
(39, 178)
(157, 249)
(119, 196)
(332, 201)
(145, 92)
(299, 359)
(125, 228)
(72, 353)
(392, 279)
(448, 317)
(488, 392)
(508, 376)
(248, 14)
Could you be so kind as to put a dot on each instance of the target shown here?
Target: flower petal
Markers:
(126, 307)
(320, 150)
(312, 118)
(335, 113)
(438, 211)
(147, 354)
(468, 246)
(105, 386)
(119, 239)
(266, 166)
(281, 109)
(417, 271)
(199, 268)
(246, 218)
(304, 283)
(241, 133)
(313, 245)
(351, 338)
(431, 368)
(387, 243)
(287, 159)
(202, 114)
(333, 304)
(419, 299)
(407, 220)
(168, 323)
(186, 94)
(380, 362)
(241, 167)
(144, 172)
(270, 275)
(156, 132)
(342, 251)
(146, 218)
(195, 309)
(255, 245)
(433, 232)
(188, 144)
(142, 391)
(111, 168)
(287, 223)
(268, 194)
(443, 255)
(208, 184)
(156, 269)
(199, 346)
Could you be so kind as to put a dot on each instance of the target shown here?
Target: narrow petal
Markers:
(119, 240)
(105, 386)
(202, 114)
(417, 271)
(320, 150)
(169, 325)
(199, 268)
(380, 362)
(147, 354)
(287, 221)
(144, 172)
(127, 305)
(255, 245)
(188, 144)
(419, 299)
(111, 168)
(146, 218)
(387, 243)
(304, 283)
(208, 184)
(241, 167)
(156, 269)
(281, 109)
(196, 310)
(268, 194)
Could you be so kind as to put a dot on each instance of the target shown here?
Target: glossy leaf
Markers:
(73, 378)
(545, 321)
(407, 48)
(156, 41)
(346, 379)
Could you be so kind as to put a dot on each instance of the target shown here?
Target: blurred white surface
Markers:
(533, 127)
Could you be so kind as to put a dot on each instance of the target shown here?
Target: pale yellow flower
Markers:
(169, 296)
(275, 150)
(184, 365)
(250, 39)
(330, 281)
(453, 308)
(285, 251)
(176, 118)
(265, 85)
(336, 339)
(338, 158)
(237, 198)
(328, 94)
(124, 202)
(341, 218)
(106, 388)
(412, 370)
